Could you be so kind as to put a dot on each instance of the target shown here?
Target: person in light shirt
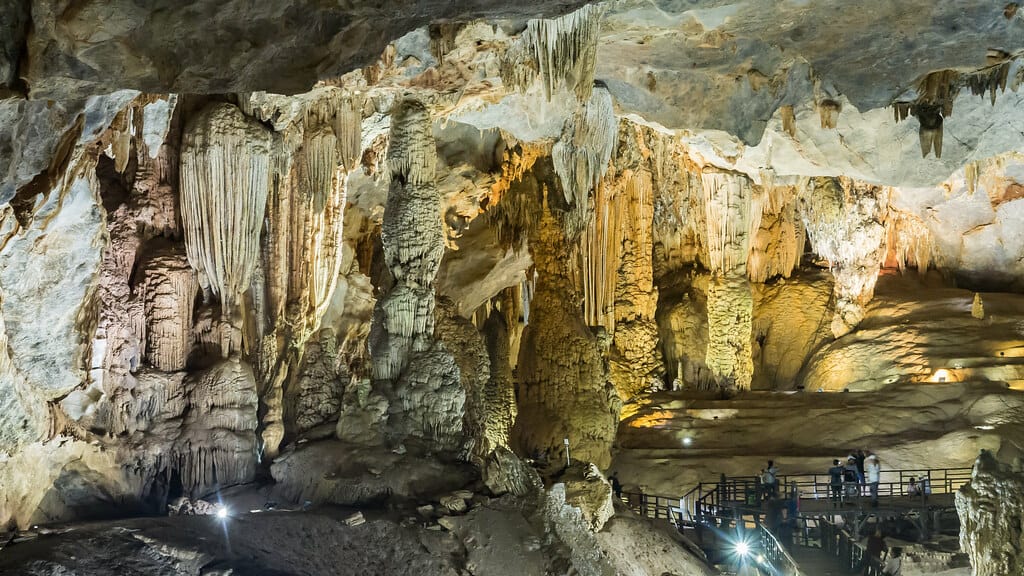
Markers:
(893, 563)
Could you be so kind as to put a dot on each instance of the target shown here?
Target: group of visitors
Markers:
(861, 469)
(847, 481)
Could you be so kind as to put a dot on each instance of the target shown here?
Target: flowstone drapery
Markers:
(316, 148)
(225, 166)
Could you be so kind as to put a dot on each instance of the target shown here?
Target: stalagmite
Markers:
(413, 243)
(170, 288)
(313, 396)
(225, 167)
(582, 153)
(991, 510)
(432, 390)
(978, 307)
(844, 222)
(500, 392)
(560, 51)
(730, 311)
(560, 358)
(217, 446)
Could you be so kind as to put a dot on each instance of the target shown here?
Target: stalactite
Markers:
(844, 222)
(732, 215)
(908, 241)
(512, 216)
(788, 120)
(828, 112)
(582, 153)
(937, 91)
(224, 183)
(560, 51)
(777, 247)
(442, 38)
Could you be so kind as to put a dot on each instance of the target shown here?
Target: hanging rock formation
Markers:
(991, 509)
(560, 51)
(225, 166)
(844, 223)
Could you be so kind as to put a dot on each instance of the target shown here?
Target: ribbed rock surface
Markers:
(991, 509)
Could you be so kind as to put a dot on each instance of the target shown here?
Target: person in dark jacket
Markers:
(616, 485)
(874, 549)
(835, 474)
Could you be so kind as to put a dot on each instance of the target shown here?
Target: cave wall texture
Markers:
(453, 228)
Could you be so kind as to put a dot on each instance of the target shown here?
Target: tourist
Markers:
(616, 485)
(771, 480)
(874, 474)
(859, 458)
(894, 563)
(835, 480)
(873, 550)
(852, 485)
(913, 488)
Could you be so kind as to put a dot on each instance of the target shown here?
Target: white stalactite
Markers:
(844, 222)
(560, 51)
(225, 165)
(582, 154)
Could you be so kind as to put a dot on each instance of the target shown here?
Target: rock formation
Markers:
(347, 248)
(992, 518)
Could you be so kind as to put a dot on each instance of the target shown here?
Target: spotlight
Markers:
(760, 559)
(687, 441)
(222, 512)
(742, 548)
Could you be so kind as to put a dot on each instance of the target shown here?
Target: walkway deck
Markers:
(814, 562)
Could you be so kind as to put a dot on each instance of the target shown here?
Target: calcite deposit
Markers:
(464, 259)
(992, 516)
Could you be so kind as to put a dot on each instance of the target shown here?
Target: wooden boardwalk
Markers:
(887, 505)
(814, 562)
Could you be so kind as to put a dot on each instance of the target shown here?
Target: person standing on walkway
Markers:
(859, 458)
(873, 468)
(873, 550)
(771, 480)
(835, 481)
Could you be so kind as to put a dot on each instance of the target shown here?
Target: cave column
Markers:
(732, 215)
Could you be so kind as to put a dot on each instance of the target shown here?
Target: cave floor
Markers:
(264, 544)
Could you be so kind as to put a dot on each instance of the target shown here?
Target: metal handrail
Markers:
(840, 544)
(777, 554)
(711, 497)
